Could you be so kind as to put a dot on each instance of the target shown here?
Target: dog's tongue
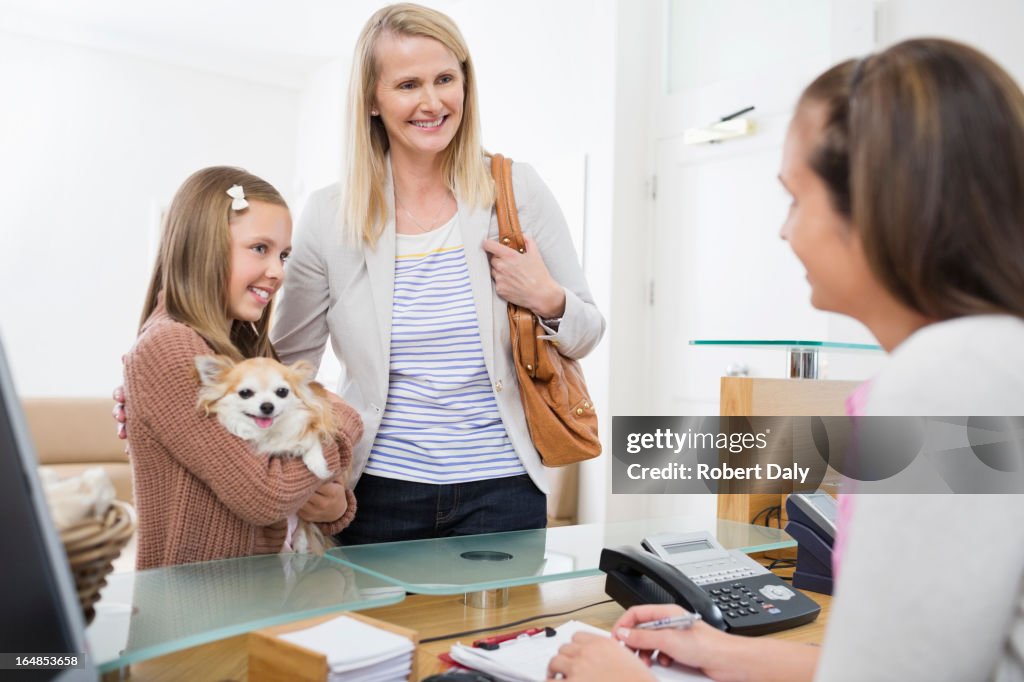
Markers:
(263, 422)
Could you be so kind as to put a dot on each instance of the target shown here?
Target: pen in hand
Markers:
(683, 622)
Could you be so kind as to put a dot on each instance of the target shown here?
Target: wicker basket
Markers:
(92, 545)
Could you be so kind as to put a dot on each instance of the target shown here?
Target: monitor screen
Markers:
(39, 609)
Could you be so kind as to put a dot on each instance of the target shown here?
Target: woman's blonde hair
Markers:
(193, 265)
(365, 208)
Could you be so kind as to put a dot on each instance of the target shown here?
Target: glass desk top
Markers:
(485, 562)
(794, 344)
(144, 614)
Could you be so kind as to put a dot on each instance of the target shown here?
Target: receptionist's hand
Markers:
(594, 658)
(702, 646)
(328, 502)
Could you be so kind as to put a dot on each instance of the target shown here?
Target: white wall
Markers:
(92, 146)
(638, 48)
(992, 26)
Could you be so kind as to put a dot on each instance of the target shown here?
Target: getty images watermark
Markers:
(802, 454)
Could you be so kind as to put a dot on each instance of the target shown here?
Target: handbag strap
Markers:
(510, 234)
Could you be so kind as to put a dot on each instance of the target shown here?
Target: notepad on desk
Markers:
(333, 648)
(526, 659)
(356, 650)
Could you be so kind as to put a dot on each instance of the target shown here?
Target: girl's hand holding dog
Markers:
(328, 503)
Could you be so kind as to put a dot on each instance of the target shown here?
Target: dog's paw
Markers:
(316, 463)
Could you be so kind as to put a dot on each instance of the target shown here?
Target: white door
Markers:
(720, 270)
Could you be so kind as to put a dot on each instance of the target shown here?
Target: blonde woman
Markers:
(400, 267)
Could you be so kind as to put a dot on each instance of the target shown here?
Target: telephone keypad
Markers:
(735, 600)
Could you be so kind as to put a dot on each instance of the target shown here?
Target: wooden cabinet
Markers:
(741, 396)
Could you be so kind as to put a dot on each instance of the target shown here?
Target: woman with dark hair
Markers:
(906, 170)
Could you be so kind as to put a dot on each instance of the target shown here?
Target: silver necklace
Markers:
(433, 221)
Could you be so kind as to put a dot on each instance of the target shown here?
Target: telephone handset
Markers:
(730, 590)
(634, 577)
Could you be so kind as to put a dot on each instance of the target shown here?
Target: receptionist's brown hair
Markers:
(923, 149)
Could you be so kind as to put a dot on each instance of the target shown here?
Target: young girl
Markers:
(906, 170)
(201, 492)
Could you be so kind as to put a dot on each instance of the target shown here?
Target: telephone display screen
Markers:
(684, 547)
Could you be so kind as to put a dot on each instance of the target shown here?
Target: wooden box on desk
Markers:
(742, 396)
(272, 658)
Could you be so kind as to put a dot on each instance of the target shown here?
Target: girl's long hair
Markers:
(193, 265)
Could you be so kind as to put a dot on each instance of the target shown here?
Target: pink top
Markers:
(856, 404)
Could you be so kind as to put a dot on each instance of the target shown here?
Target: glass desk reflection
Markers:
(144, 614)
(475, 563)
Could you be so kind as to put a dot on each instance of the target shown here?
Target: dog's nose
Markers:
(267, 408)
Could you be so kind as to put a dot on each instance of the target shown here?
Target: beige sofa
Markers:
(73, 434)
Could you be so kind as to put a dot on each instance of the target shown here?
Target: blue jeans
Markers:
(391, 510)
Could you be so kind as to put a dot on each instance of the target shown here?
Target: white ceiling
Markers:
(268, 41)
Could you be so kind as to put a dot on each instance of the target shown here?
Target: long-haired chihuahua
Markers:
(280, 410)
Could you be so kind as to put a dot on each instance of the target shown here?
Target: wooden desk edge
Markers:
(433, 616)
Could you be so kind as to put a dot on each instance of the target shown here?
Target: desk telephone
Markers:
(728, 589)
(812, 523)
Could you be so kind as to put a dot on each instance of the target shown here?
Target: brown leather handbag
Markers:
(559, 411)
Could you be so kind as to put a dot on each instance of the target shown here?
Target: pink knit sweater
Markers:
(201, 492)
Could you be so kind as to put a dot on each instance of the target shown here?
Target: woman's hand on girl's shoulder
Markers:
(118, 413)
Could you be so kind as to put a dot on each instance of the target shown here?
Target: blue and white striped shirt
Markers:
(441, 423)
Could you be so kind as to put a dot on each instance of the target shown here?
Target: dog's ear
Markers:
(303, 371)
(315, 396)
(212, 368)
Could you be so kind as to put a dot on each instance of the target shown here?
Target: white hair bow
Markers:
(237, 195)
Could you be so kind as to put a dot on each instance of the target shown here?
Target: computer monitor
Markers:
(39, 609)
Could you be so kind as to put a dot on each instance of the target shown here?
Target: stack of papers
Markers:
(356, 650)
(526, 659)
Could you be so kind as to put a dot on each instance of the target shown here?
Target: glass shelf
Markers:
(802, 356)
(144, 614)
(795, 344)
(474, 563)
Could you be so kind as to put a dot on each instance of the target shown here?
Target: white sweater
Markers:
(932, 586)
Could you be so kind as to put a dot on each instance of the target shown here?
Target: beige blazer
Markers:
(344, 291)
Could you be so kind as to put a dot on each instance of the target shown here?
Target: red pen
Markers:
(492, 643)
